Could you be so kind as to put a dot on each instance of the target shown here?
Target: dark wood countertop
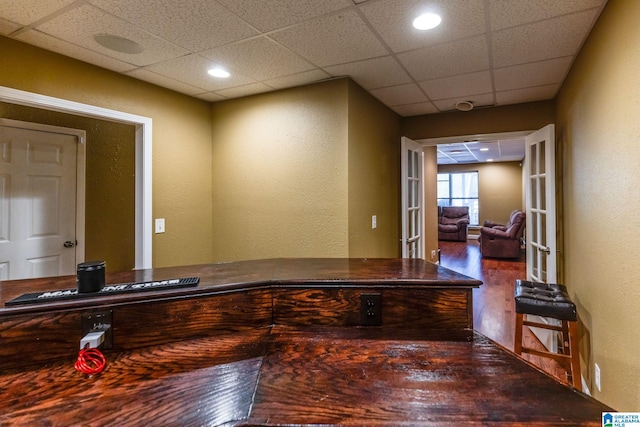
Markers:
(281, 376)
(244, 275)
(273, 343)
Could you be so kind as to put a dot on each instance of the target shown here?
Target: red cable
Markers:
(90, 361)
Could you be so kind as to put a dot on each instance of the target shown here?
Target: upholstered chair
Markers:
(453, 222)
(502, 241)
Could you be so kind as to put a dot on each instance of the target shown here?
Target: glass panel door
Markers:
(412, 199)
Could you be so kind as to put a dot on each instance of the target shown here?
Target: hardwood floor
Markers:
(493, 303)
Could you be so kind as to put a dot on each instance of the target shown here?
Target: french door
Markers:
(412, 199)
(540, 205)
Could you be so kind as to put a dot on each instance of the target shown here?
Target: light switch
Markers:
(159, 225)
(374, 222)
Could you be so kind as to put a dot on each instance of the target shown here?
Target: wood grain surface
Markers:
(281, 376)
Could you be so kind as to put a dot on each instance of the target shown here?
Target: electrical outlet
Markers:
(374, 222)
(370, 309)
(597, 379)
(96, 321)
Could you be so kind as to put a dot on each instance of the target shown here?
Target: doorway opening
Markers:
(143, 160)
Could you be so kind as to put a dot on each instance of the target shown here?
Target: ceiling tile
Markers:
(25, 12)
(448, 59)
(482, 100)
(512, 148)
(273, 14)
(160, 80)
(192, 70)
(297, 79)
(7, 27)
(399, 95)
(527, 95)
(80, 25)
(509, 13)
(548, 39)
(372, 73)
(533, 74)
(393, 20)
(415, 109)
(521, 48)
(45, 41)
(456, 86)
(331, 40)
(246, 90)
(260, 58)
(198, 25)
(210, 96)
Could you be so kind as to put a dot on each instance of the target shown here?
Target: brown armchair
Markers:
(453, 222)
(502, 241)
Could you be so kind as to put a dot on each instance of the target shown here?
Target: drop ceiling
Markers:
(489, 52)
(502, 150)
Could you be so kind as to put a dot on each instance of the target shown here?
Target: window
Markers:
(459, 189)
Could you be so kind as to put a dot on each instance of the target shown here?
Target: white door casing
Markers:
(412, 177)
(41, 199)
(540, 195)
(144, 147)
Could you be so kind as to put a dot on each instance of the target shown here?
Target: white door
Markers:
(412, 199)
(38, 191)
(540, 193)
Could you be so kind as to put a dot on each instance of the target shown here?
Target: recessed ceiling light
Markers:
(484, 149)
(427, 21)
(219, 72)
(489, 160)
(117, 43)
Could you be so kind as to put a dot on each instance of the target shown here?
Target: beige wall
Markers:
(374, 170)
(499, 188)
(431, 203)
(300, 172)
(181, 141)
(509, 118)
(598, 127)
(279, 174)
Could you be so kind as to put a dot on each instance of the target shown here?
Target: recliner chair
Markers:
(453, 222)
(502, 241)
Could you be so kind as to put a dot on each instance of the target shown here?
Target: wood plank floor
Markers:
(493, 302)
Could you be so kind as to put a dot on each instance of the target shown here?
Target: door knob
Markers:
(69, 244)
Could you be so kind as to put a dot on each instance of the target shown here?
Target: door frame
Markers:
(80, 172)
(143, 147)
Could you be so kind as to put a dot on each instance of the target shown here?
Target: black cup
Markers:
(90, 276)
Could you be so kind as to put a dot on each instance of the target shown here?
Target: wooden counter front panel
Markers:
(29, 340)
(415, 308)
(164, 322)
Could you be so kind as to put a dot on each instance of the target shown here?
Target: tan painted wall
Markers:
(110, 182)
(510, 118)
(280, 174)
(499, 188)
(181, 140)
(598, 126)
(374, 170)
(431, 203)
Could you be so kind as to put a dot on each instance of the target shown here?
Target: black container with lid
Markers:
(90, 276)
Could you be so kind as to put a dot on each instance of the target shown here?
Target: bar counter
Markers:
(273, 343)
